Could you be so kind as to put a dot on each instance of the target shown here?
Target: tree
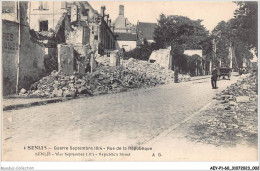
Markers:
(222, 35)
(180, 30)
(246, 22)
(177, 58)
(142, 53)
(194, 65)
(226, 35)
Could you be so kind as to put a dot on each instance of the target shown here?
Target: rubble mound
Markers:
(151, 70)
(233, 118)
(57, 84)
(103, 60)
(132, 74)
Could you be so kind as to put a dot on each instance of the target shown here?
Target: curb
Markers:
(27, 105)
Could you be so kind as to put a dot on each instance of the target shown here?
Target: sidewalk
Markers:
(23, 102)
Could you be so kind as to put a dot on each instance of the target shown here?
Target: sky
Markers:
(211, 12)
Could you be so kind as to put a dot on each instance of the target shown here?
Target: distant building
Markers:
(122, 24)
(126, 41)
(145, 31)
(125, 32)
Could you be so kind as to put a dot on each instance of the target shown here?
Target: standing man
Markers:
(214, 78)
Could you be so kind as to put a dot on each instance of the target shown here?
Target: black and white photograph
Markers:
(129, 81)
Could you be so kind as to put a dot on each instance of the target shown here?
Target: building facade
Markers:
(20, 66)
(126, 41)
(45, 15)
(125, 32)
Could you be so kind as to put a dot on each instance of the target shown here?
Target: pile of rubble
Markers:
(103, 60)
(132, 74)
(151, 70)
(233, 118)
(57, 84)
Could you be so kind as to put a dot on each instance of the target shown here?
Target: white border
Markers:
(124, 165)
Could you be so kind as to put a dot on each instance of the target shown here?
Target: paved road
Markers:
(123, 119)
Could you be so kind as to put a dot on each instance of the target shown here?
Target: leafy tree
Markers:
(226, 35)
(180, 30)
(246, 22)
(194, 64)
(142, 53)
(177, 59)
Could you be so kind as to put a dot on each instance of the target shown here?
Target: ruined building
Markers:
(87, 26)
(74, 27)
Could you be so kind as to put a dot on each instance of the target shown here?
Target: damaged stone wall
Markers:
(82, 57)
(73, 58)
(9, 56)
(162, 57)
(31, 58)
(66, 59)
(80, 35)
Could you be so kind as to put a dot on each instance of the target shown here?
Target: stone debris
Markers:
(103, 60)
(232, 119)
(132, 74)
(152, 70)
(22, 91)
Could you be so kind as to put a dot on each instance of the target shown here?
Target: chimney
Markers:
(103, 8)
(121, 10)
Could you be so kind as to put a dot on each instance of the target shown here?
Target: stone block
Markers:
(242, 99)
(233, 103)
(22, 91)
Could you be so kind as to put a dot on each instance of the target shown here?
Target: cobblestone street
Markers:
(123, 119)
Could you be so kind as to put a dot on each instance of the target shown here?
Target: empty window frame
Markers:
(44, 25)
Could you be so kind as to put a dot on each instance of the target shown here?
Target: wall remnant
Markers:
(31, 67)
(66, 59)
(75, 59)
(162, 57)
